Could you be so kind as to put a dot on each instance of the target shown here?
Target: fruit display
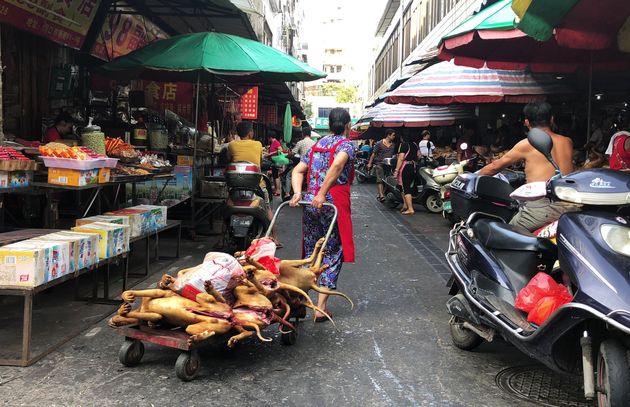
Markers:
(13, 160)
(59, 150)
(116, 147)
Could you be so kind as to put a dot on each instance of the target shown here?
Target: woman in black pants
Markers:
(406, 172)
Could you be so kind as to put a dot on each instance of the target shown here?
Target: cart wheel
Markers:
(131, 352)
(290, 338)
(187, 366)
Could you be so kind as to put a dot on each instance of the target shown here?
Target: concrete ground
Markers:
(393, 349)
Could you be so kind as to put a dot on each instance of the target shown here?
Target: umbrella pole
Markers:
(590, 99)
(214, 127)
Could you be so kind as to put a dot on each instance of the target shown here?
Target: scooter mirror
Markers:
(541, 141)
(463, 146)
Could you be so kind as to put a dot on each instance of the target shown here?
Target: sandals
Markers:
(324, 318)
(380, 198)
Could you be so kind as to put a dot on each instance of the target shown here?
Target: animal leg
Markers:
(308, 260)
(205, 299)
(213, 291)
(239, 337)
(199, 332)
(165, 282)
(130, 295)
(330, 292)
(282, 322)
(118, 320)
(321, 311)
(258, 334)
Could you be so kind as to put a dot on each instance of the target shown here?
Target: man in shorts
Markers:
(382, 150)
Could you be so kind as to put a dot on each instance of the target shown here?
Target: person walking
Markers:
(406, 173)
(274, 147)
(426, 147)
(302, 146)
(329, 172)
(382, 150)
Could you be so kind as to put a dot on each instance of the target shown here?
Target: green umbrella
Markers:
(288, 123)
(209, 54)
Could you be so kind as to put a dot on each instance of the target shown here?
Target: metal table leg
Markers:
(26, 328)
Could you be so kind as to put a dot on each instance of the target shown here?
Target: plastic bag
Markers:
(221, 269)
(547, 305)
(264, 251)
(542, 285)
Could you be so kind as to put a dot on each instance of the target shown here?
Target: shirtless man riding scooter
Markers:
(533, 215)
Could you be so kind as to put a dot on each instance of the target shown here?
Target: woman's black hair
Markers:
(338, 119)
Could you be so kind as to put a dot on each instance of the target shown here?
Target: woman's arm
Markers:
(297, 180)
(332, 175)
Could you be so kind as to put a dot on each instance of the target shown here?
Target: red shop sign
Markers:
(249, 104)
(174, 96)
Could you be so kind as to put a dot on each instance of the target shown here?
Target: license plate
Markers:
(446, 206)
(241, 221)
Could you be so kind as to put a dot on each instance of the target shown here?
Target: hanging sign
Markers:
(123, 33)
(63, 21)
(249, 104)
(174, 96)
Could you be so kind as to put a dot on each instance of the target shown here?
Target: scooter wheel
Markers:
(613, 375)
(463, 338)
(361, 178)
(391, 201)
(433, 203)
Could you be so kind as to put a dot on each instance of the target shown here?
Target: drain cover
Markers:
(543, 386)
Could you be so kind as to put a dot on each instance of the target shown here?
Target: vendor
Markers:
(329, 171)
(619, 151)
(63, 126)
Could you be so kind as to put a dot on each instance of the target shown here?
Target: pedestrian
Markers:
(302, 146)
(426, 146)
(465, 141)
(382, 150)
(406, 172)
(619, 151)
(329, 171)
(274, 148)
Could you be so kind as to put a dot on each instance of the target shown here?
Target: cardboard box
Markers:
(15, 179)
(83, 247)
(185, 160)
(104, 175)
(75, 178)
(113, 238)
(121, 220)
(31, 263)
(157, 217)
(139, 219)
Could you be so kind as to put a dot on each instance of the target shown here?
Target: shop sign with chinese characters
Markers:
(123, 33)
(65, 22)
(174, 96)
(249, 104)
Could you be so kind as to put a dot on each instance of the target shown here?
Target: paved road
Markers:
(392, 349)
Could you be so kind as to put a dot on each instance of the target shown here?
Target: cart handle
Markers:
(305, 203)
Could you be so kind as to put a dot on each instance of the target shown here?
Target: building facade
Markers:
(410, 31)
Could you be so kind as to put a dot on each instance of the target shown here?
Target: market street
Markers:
(394, 348)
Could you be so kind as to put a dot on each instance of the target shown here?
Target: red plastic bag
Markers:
(542, 285)
(264, 251)
(547, 305)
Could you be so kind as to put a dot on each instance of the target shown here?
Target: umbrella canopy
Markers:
(492, 38)
(583, 24)
(403, 115)
(447, 83)
(186, 57)
(288, 124)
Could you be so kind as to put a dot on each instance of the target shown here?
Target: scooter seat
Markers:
(497, 235)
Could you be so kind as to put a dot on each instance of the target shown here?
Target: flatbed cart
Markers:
(188, 362)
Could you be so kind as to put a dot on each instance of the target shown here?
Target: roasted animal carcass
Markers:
(202, 318)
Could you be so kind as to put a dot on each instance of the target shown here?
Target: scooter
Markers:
(246, 213)
(285, 177)
(362, 174)
(491, 261)
(427, 191)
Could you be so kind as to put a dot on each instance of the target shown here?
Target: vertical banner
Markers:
(63, 21)
(249, 104)
(123, 33)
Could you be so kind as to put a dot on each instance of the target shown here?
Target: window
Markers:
(324, 111)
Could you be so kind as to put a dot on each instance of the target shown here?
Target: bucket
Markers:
(158, 139)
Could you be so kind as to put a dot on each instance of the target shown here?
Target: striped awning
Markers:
(447, 83)
(403, 115)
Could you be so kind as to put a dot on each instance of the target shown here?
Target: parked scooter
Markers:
(362, 174)
(427, 191)
(285, 177)
(492, 261)
(246, 210)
